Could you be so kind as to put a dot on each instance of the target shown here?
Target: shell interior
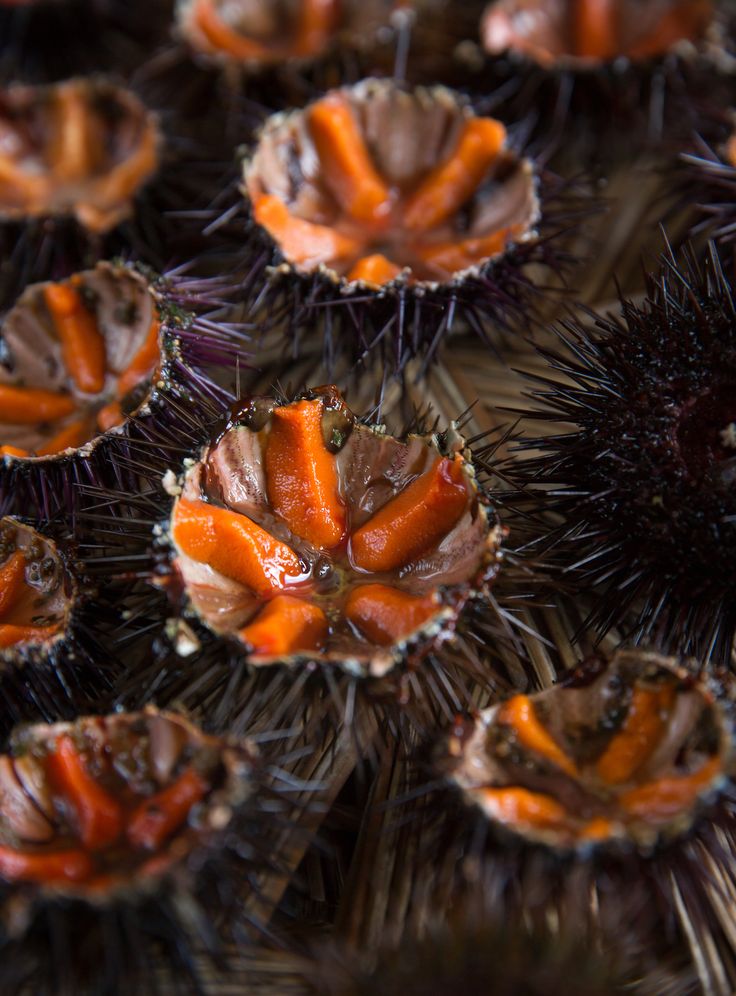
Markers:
(375, 185)
(111, 803)
(587, 33)
(303, 533)
(36, 591)
(621, 751)
(81, 148)
(78, 357)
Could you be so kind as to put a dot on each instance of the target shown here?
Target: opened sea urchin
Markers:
(302, 533)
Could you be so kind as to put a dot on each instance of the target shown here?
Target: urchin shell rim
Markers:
(178, 873)
(282, 268)
(623, 845)
(411, 647)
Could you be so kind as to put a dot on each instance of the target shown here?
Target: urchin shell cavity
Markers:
(586, 33)
(37, 593)
(106, 805)
(306, 534)
(376, 184)
(256, 33)
(77, 359)
(79, 148)
(622, 750)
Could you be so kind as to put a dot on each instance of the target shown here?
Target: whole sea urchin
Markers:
(638, 499)
(386, 219)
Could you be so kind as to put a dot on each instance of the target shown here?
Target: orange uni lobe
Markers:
(414, 521)
(235, 546)
(99, 816)
(642, 730)
(374, 270)
(83, 348)
(302, 242)
(345, 162)
(518, 806)
(73, 435)
(15, 451)
(519, 713)
(446, 188)
(28, 406)
(143, 364)
(224, 38)
(385, 615)
(446, 258)
(286, 626)
(12, 581)
(301, 475)
(160, 815)
(109, 416)
(317, 20)
(61, 866)
(665, 798)
(595, 28)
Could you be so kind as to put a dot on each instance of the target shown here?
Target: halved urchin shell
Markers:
(37, 593)
(584, 35)
(109, 805)
(254, 34)
(308, 536)
(624, 750)
(82, 148)
(385, 219)
(78, 357)
(375, 186)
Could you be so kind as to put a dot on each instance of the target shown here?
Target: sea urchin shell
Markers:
(78, 357)
(80, 148)
(305, 534)
(112, 803)
(625, 750)
(397, 212)
(585, 33)
(37, 593)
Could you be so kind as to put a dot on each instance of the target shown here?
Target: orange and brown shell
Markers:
(585, 34)
(79, 357)
(81, 148)
(377, 187)
(256, 34)
(622, 751)
(38, 594)
(306, 535)
(109, 805)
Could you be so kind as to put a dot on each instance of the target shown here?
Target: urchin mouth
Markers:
(706, 431)
(78, 358)
(304, 534)
(80, 148)
(109, 804)
(590, 33)
(345, 187)
(37, 594)
(628, 754)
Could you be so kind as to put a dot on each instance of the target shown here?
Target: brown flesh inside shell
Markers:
(361, 540)
(36, 592)
(112, 802)
(372, 182)
(80, 148)
(77, 358)
(593, 31)
(623, 751)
